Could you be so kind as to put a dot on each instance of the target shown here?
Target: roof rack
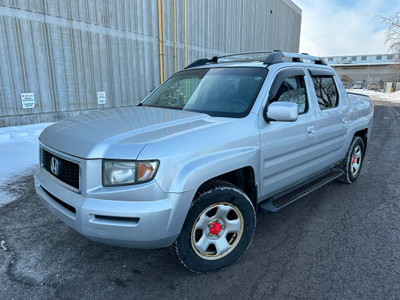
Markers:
(274, 57)
(246, 53)
(214, 60)
(277, 57)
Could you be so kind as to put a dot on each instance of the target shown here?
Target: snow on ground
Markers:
(378, 95)
(19, 154)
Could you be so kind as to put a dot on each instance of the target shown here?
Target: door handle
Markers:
(310, 129)
(345, 120)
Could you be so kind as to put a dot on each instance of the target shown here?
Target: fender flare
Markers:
(202, 169)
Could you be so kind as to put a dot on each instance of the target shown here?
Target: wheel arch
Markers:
(243, 178)
(363, 134)
(240, 162)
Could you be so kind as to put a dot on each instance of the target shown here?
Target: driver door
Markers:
(288, 148)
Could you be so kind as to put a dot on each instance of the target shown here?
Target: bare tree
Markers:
(393, 39)
(393, 32)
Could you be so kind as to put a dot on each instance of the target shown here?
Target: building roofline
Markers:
(294, 6)
(365, 64)
(356, 55)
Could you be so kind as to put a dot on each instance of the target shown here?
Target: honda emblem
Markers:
(54, 166)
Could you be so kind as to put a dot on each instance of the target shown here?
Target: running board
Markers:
(279, 201)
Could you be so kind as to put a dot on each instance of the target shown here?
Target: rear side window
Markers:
(326, 92)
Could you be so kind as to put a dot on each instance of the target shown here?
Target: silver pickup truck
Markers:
(191, 164)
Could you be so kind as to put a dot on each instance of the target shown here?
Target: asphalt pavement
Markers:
(340, 242)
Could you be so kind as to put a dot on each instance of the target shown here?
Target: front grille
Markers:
(67, 171)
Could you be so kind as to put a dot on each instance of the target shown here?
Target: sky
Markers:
(344, 27)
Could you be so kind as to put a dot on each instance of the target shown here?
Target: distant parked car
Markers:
(373, 86)
(358, 85)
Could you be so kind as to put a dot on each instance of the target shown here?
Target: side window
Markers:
(326, 92)
(293, 89)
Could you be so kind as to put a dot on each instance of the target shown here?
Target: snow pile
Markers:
(2, 245)
(395, 95)
(377, 95)
(19, 153)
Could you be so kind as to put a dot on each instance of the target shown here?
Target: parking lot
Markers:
(342, 241)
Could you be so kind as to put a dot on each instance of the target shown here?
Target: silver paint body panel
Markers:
(192, 148)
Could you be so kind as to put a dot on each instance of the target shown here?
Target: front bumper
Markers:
(106, 216)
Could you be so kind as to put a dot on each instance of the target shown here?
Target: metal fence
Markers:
(64, 52)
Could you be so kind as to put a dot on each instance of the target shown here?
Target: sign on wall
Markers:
(101, 98)
(28, 100)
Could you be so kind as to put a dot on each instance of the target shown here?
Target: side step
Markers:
(279, 201)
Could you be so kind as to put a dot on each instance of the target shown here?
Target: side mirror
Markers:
(281, 111)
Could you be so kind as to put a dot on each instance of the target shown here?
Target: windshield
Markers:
(221, 92)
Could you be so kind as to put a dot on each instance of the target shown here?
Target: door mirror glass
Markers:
(282, 111)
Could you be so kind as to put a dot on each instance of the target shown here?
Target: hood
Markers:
(118, 133)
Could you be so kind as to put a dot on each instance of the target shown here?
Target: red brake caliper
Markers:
(354, 160)
(215, 228)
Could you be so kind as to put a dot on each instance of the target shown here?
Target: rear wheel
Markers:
(218, 229)
(352, 163)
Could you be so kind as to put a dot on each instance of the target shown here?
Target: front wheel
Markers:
(352, 163)
(218, 229)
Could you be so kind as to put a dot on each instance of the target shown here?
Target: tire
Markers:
(218, 228)
(352, 163)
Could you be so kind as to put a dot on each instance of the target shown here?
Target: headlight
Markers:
(125, 172)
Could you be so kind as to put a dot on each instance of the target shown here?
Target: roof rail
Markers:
(277, 57)
(246, 53)
(274, 57)
(204, 61)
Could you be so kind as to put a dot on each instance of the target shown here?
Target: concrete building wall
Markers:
(363, 59)
(374, 73)
(378, 68)
(64, 52)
